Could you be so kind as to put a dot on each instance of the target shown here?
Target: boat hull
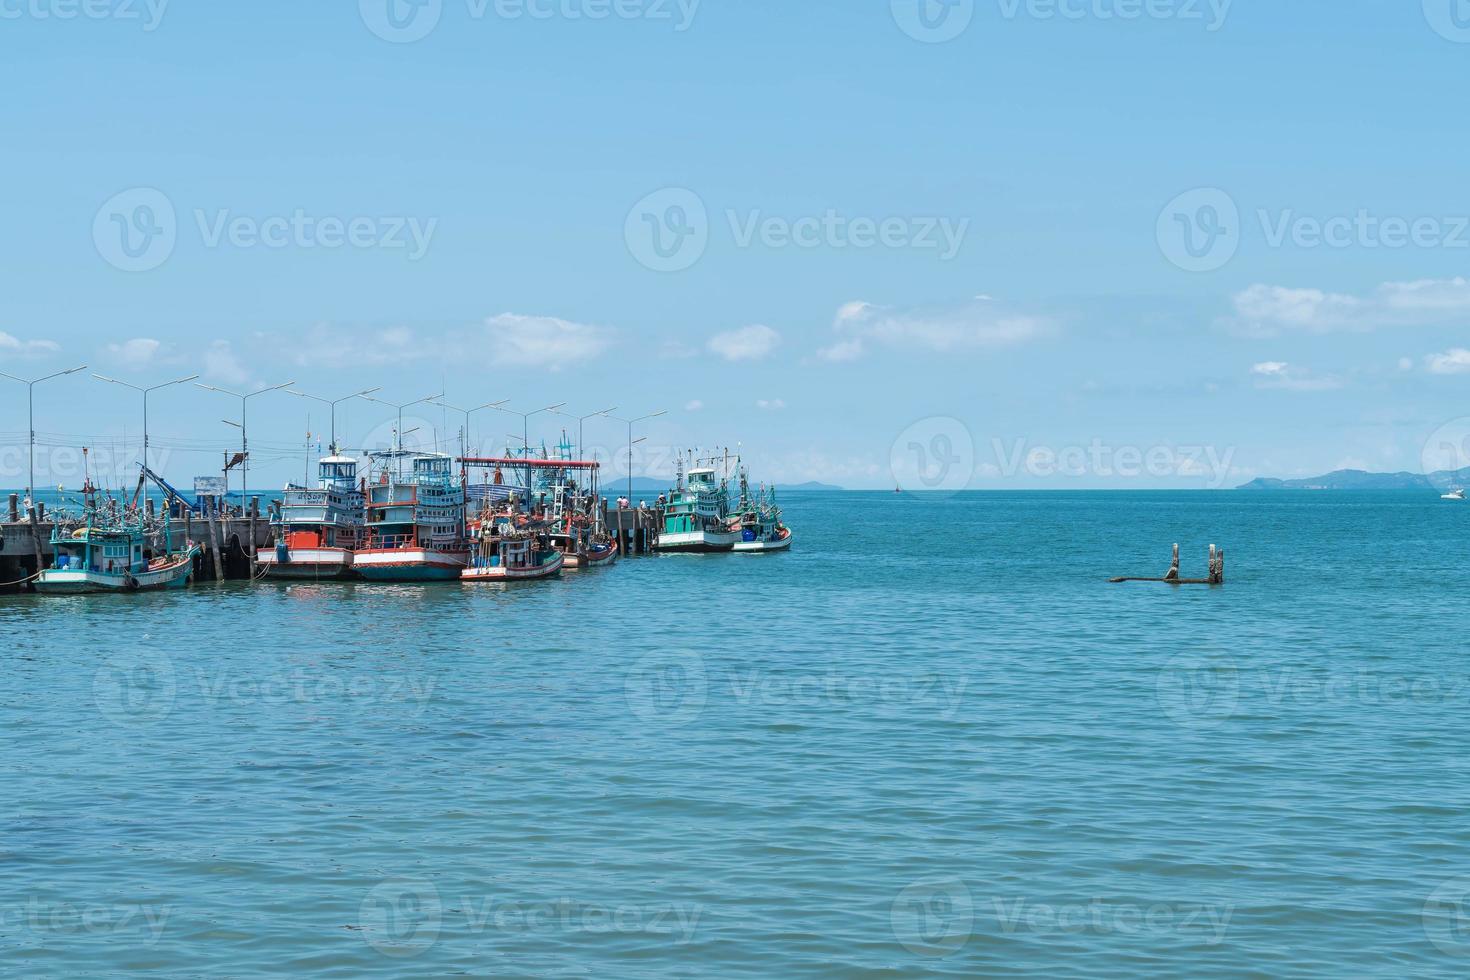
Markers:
(758, 547)
(409, 565)
(697, 541)
(76, 581)
(498, 573)
(592, 559)
(315, 564)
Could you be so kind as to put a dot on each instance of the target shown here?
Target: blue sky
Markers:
(875, 248)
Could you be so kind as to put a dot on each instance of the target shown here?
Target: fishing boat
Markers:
(415, 522)
(318, 531)
(112, 556)
(697, 515)
(584, 548)
(507, 553)
(1453, 495)
(758, 519)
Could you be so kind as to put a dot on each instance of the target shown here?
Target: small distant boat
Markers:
(506, 553)
(1453, 495)
(112, 558)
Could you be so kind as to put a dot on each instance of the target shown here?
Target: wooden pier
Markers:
(635, 529)
(1216, 571)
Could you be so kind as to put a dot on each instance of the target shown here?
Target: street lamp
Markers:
(464, 439)
(145, 391)
(630, 422)
(31, 416)
(583, 418)
(244, 444)
(333, 403)
(526, 432)
(398, 450)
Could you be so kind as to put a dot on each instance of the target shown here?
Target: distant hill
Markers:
(1363, 480)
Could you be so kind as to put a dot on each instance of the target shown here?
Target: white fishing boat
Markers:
(320, 529)
(1453, 495)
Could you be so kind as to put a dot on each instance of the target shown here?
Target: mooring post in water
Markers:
(35, 515)
(254, 516)
(219, 568)
(1173, 575)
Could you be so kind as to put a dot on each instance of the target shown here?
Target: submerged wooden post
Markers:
(219, 568)
(254, 516)
(36, 534)
(1173, 574)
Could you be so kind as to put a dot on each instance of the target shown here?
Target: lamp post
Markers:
(333, 403)
(398, 432)
(464, 439)
(583, 418)
(630, 422)
(145, 392)
(244, 443)
(526, 432)
(31, 418)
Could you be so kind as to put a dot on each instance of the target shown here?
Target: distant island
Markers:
(1363, 480)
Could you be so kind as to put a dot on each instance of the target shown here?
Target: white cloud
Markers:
(1281, 376)
(543, 341)
(1264, 310)
(221, 364)
(977, 325)
(1406, 364)
(328, 344)
(770, 405)
(26, 348)
(693, 406)
(1456, 360)
(746, 343)
(135, 353)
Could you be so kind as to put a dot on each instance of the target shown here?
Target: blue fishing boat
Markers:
(107, 554)
(319, 530)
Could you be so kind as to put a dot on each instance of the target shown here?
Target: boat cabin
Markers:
(91, 550)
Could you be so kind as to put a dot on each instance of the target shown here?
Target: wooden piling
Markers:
(254, 516)
(219, 568)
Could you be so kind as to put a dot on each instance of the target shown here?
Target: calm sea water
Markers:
(930, 740)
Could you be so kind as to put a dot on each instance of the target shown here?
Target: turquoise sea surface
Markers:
(930, 740)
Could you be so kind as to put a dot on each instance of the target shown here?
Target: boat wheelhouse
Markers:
(319, 530)
(415, 522)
